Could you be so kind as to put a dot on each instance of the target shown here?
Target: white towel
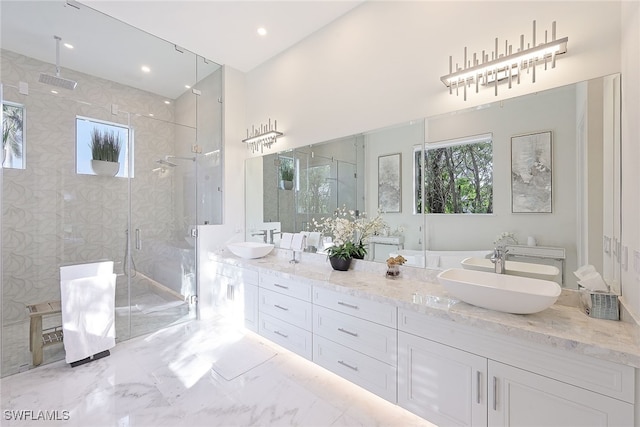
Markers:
(90, 269)
(88, 315)
(299, 242)
(314, 239)
(590, 278)
(285, 240)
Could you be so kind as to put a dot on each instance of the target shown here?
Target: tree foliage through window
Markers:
(458, 178)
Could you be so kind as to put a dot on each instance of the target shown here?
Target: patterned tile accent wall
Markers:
(52, 216)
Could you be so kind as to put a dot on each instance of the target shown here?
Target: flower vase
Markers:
(340, 264)
(393, 271)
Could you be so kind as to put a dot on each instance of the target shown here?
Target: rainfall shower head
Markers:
(164, 162)
(56, 80)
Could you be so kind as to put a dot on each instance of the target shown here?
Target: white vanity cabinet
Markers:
(457, 375)
(348, 341)
(284, 307)
(234, 293)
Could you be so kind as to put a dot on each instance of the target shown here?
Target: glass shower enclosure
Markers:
(57, 211)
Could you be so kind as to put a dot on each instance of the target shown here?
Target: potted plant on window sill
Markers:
(105, 151)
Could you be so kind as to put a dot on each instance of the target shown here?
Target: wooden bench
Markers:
(37, 338)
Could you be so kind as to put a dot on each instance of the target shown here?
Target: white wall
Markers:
(381, 63)
(630, 68)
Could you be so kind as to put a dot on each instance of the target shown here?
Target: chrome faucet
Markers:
(272, 232)
(498, 259)
(264, 235)
(267, 235)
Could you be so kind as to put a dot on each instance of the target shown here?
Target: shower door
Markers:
(162, 239)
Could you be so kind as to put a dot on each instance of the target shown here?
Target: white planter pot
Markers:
(100, 167)
(286, 185)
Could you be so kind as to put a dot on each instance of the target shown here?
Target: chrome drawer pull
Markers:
(280, 286)
(280, 307)
(281, 334)
(495, 393)
(354, 334)
(348, 305)
(355, 368)
(479, 381)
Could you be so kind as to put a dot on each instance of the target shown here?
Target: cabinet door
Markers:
(442, 384)
(522, 398)
(251, 307)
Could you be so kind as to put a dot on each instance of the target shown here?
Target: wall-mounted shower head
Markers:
(57, 80)
(164, 162)
(193, 159)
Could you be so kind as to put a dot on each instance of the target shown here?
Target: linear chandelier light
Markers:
(506, 65)
(262, 137)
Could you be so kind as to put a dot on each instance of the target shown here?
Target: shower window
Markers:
(86, 128)
(13, 140)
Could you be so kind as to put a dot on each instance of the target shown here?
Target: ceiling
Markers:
(224, 32)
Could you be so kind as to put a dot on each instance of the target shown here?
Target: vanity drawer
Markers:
(285, 334)
(286, 308)
(368, 373)
(378, 312)
(286, 286)
(372, 339)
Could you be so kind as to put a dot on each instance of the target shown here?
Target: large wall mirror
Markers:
(562, 211)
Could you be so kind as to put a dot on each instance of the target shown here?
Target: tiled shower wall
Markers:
(52, 216)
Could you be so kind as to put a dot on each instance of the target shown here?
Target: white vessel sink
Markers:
(500, 292)
(515, 268)
(250, 250)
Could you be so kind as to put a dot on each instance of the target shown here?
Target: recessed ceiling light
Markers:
(150, 114)
(145, 69)
(54, 91)
(262, 31)
(68, 45)
(167, 102)
(187, 86)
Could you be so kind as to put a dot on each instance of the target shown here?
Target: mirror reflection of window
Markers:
(315, 195)
(84, 128)
(13, 141)
(458, 176)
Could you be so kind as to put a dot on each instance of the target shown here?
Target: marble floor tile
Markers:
(167, 378)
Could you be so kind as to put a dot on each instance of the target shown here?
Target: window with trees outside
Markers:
(454, 176)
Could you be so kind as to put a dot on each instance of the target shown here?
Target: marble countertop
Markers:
(561, 326)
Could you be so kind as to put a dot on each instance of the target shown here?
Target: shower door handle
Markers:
(138, 239)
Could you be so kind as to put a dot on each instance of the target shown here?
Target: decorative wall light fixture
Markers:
(262, 137)
(482, 70)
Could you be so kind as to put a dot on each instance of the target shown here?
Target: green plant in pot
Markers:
(105, 151)
(286, 175)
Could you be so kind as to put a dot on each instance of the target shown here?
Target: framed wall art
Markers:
(390, 183)
(531, 173)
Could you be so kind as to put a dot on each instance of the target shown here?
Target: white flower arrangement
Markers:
(505, 238)
(345, 226)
